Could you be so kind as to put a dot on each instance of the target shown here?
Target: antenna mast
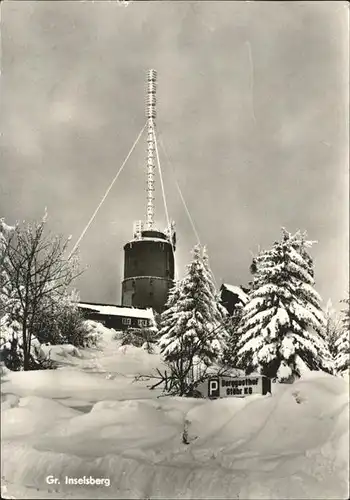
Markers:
(151, 116)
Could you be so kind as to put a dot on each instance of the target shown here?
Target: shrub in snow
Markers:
(11, 339)
(11, 348)
(192, 334)
(35, 276)
(60, 321)
(11, 354)
(342, 345)
(282, 326)
(133, 336)
(90, 336)
(146, 338)
(176, 379)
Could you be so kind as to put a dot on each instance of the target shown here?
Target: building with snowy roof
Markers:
(232, 295)
(117, 317)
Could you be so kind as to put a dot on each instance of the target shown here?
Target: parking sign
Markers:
(213, 388)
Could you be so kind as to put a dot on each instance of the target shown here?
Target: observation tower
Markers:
(149, 263)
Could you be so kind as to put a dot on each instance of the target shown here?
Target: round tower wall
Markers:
(149, 258)
(146, 291)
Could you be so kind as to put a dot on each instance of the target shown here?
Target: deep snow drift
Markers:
(90, 418)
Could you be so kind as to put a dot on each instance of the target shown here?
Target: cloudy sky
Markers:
(252, 111)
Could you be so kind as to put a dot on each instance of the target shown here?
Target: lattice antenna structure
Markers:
(151, 117)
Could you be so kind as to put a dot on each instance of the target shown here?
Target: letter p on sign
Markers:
(213, 388)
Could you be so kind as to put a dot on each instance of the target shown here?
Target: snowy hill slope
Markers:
(89, 417)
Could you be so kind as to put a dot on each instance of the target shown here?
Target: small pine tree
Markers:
(191, 332)
(168, 318)
(282, 326)
(342, 345)
(10, 347)
(229, 357)
(10, 329)
(333, 328)
(220, 315)
(7, 301)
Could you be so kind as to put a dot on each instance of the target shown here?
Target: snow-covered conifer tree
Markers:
(342, 345)
(168, 318)
(282, 326)
(190, 325)
(219, 313)
(333, 327)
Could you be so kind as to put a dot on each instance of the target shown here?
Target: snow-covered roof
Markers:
(109, 310)
(237, 291)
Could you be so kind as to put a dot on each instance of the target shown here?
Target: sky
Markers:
(252, 111)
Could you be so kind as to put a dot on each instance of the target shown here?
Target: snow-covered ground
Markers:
(90, 418)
